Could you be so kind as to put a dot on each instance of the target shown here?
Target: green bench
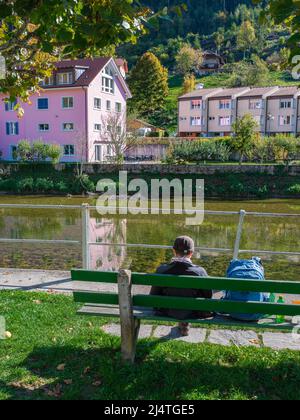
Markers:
(132, 308)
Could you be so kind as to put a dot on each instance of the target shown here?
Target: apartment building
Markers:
(211, 112)
(71, 110)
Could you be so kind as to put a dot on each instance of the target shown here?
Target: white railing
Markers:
(86, 243)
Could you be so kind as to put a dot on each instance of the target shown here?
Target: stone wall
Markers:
(160, 169)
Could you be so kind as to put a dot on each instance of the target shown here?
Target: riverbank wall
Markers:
(230, 181)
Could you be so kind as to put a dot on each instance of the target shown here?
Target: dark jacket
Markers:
(185, 268)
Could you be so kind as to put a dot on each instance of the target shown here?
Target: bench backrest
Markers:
(186, 282)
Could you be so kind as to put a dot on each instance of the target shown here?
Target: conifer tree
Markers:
(149, 85)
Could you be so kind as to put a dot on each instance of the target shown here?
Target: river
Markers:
(273, 234)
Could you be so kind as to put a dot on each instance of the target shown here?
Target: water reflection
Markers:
(276, 234)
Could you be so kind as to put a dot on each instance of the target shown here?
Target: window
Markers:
(44, 127)
(68, 126)
(225, 104)
(119, 130)
(108, 105)
(255, 104)
(97, 127)
(68, 102)
(118, 107)
(224, 120)
(285, 120)
(10, 106)
(65, 78)
(108, 84)
(43, 103)
(97, 103)
(69, 150)
(197, 104)
(196, 121)
(12, 128)
(285, 104)
(48, 81)
(98, 152)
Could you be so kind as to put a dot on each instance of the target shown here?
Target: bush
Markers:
(25, 185)
(294, 189)
(197, 151)
(37, 151)
(43, 185)
(61, 186)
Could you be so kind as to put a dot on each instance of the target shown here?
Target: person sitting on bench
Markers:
(181, 265)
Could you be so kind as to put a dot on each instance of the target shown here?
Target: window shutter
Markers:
(17, 128)
(7, 129)
(6, 106)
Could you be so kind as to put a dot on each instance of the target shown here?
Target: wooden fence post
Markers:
(129, 327)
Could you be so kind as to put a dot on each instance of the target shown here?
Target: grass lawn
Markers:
(54, 354)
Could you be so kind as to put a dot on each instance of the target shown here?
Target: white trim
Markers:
(62, 102)
(43, 109)
(67, 131)
(43, 131)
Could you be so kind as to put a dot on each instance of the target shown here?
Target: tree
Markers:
(244, 129)
(252, 73)
(116, 136)
(188, 60)
(37, 151)
(219, 38)
(245, 37)
(148, 82)
(35, 34)
(189, 84)
(284, 12)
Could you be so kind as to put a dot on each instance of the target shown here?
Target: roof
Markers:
(199, 93)
(286, 91)
(214, 54)
(259, 91)
(93, 68)
(224, 93)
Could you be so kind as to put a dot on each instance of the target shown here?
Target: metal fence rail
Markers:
(86, 243)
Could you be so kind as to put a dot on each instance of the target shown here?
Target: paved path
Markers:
(276, 341)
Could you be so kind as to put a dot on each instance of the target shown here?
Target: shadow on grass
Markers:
(162, 371)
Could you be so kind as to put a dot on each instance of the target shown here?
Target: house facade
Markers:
(212, 112)
(71, 110)
(212, 63)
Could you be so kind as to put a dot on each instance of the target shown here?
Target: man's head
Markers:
(184, 246)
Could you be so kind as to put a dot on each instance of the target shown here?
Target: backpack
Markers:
(246, 269)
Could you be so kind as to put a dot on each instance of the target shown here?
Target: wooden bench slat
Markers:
(95, 276)
(148, 315)
(191, 282)
(214, 305)
(210, 305)
(96, 297)
(216, 283)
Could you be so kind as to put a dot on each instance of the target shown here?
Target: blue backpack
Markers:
(246, 269)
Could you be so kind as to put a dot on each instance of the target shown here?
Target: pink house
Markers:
(71, 110)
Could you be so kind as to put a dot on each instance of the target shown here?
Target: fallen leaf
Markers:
(254, 341)
(68, 381)
(8, 334)
(97, 383)
(86, 370)
(90, 324)
(61, 367)
(55, 392)
(37, 302)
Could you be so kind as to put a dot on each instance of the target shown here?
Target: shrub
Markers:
(25, 185)
(61, 186)
(43, 185)
(37, 151)
(198, 151)
(294, 189)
